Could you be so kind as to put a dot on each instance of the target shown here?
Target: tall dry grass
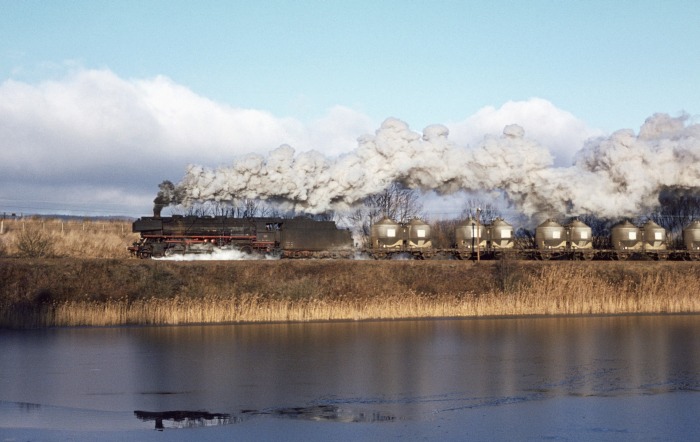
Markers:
(623, 288)
(119, 292)
(71, 239)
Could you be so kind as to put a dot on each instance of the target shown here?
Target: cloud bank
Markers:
(95, 139)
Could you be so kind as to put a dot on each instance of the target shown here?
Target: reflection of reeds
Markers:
(100, 293)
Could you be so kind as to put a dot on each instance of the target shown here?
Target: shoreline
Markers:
(37, 293)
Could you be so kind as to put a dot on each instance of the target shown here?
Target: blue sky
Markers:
(322, 71)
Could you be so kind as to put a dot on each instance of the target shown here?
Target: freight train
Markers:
(306, 238)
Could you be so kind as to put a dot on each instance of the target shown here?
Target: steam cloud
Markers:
(616, 176)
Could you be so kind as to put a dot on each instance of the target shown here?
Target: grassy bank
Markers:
(79, 292)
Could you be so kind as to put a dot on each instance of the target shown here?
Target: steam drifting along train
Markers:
(307, 238)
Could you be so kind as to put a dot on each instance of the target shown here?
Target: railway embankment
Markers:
(111, 292)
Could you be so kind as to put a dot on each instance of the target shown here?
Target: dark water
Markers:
(377, 373)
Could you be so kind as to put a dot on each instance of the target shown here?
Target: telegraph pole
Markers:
(478, 234)
(473, 237)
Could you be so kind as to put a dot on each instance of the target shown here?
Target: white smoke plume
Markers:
(620, 175)
(218, 255)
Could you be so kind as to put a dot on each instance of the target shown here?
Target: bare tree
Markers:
(443, 233)
(678, 208)
(396, 202)
(222, 209)
(198, 210)
(487, 211)
(600, 230)
(247, 208)
(244, 208)
(35, 243)
(269, 211)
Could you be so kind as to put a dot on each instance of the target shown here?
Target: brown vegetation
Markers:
(41, 238)
(76, 292)
(37, 289)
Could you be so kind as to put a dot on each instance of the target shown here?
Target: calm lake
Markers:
(624, 377)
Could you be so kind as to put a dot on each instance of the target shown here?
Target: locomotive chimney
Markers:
(157, 209)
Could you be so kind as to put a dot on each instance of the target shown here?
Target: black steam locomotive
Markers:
(286, 238)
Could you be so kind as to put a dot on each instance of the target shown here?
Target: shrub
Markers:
(35, 243)
(507, 274)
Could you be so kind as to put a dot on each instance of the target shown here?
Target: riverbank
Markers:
(107, 292)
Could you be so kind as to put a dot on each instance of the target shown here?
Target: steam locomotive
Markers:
(287, 238)
(307, 238)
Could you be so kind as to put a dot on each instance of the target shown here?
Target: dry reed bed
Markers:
(72, 292)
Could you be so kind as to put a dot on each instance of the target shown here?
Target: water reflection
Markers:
(321, 413)
(191, 419)
(350, 372)
(184, 419)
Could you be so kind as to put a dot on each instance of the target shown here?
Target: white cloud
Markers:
(94, 129)
(332, 133)
(559, 131)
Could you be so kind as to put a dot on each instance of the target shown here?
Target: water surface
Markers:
(502, 376)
